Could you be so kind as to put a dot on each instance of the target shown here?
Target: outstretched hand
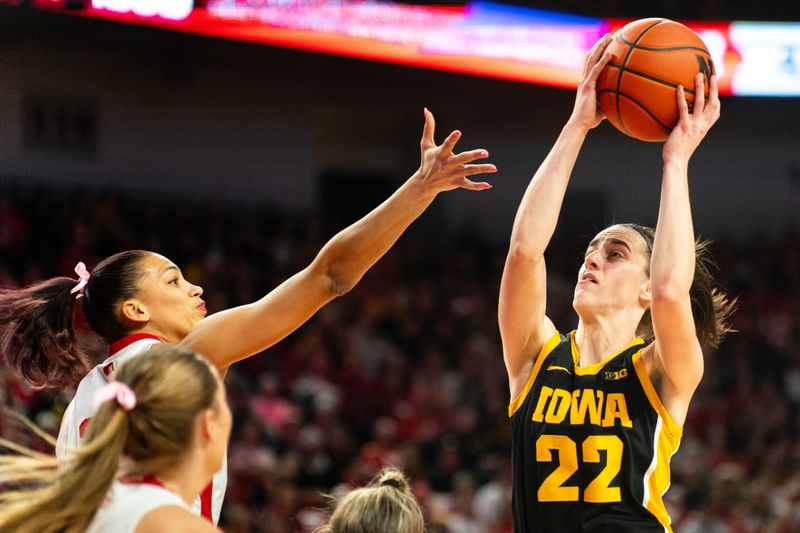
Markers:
(692, 127)
(442, 170)
(586, 112)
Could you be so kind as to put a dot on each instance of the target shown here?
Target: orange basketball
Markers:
(650, 58)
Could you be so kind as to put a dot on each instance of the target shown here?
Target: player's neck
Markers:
(151, 329)
(597, 339)
(186, 479)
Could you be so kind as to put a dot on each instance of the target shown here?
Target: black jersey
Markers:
(591, 445)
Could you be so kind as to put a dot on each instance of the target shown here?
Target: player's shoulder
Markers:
(89, 383)
(173, 519)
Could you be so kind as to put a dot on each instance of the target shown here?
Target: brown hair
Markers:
(153, 437)
(37, 338)
(386, 505)
(711, 308)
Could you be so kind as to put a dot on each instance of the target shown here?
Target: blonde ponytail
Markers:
(51, 497)
(63, 502)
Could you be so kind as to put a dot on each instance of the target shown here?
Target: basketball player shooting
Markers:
(597, 413)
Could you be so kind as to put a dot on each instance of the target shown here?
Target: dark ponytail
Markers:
(37, 339)
(711, 308)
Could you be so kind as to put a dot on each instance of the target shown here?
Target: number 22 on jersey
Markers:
(553, 488)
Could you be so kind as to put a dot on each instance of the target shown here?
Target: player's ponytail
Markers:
(153, 432)
(711, 308)
(67, 501)
(386, 504)
(37, 339)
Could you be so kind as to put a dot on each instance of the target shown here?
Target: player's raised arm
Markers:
(672, 268)
(521, 312)
(231, 335)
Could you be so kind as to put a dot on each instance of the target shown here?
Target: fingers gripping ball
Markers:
(650, 58)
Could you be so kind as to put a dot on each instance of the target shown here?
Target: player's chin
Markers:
(580, 300)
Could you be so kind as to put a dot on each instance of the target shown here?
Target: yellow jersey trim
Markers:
(548, 347)
(595, 368)
(657, 479)
(672, 427)
(665, 443)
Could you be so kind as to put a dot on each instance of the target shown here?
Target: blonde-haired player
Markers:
(147, 454)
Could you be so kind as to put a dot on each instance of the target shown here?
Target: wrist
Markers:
(677, 162)
(576, 127)
(676, 167)
(418, 187)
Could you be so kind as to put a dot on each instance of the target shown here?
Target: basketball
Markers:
(650, 58)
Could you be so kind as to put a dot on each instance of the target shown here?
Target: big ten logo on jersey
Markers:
(583, 406)
(619, 374)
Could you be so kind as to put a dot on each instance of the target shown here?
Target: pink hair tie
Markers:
(83, 277)
(125, 397)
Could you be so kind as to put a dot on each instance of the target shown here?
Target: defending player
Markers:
(149, 451)
(136, 298)
(597, 413)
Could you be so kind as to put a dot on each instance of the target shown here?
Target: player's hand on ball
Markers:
(441, 169)
(586, 112)
(694, 125)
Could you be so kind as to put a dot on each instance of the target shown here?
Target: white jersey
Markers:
(80, 411)
(127, 503)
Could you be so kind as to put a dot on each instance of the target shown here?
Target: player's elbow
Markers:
(339, 286)
(667, 296)
(669, 289)
(519, 253)
(339, 279)
(333, 273)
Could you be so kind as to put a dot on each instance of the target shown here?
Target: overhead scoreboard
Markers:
(480, 38)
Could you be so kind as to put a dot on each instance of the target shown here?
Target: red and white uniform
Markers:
(80, 411)
(127, 503)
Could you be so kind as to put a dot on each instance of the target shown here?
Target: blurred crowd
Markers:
(407, 368)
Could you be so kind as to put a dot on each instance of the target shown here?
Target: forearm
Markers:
(673, 258)
(233, 334)
(351, 252)
(538, 212)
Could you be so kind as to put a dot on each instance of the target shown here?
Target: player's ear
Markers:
(645, 295)
(209, 424)
(133, 312)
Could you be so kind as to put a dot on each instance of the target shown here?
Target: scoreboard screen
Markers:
(479, 38)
